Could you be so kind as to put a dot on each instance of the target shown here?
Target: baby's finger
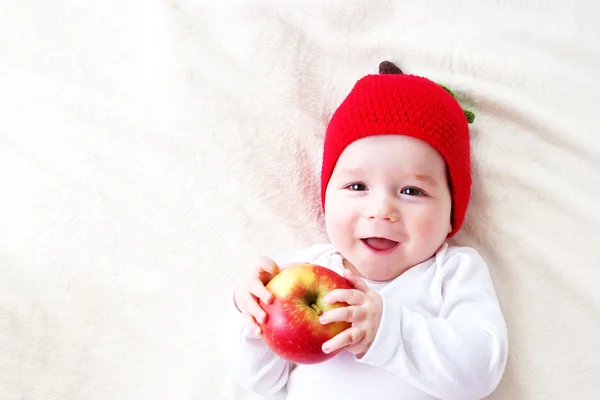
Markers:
(266, 269)
(352, 297)
(350, 314)
(252, 308)
(358, 348)
(356, 282)
(345, 338)
(256, 288)
(252, 325)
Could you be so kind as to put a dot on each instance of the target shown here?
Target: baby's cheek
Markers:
(430, 226)
(336, 225)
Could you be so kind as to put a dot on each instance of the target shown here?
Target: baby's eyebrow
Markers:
(351, 171)
(425, 178)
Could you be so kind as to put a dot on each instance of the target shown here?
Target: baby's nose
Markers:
(384, 209)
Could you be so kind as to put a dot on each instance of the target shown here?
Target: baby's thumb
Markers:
(267, 269)
(356, 282)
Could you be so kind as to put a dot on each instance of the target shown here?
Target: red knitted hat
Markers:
(394, 103)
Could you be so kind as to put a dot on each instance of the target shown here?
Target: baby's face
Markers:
(388, 205)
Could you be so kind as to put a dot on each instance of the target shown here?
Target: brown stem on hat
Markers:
(388, 67)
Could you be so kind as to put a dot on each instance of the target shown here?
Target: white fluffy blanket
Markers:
(151, 150)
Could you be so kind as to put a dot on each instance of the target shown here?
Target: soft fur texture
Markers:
(151, 150)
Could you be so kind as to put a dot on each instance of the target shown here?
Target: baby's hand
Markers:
(364, 313)
(251, 288)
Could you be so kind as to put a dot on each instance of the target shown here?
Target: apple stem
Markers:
(317, 309)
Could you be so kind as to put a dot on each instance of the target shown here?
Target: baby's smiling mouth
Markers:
(379, 244)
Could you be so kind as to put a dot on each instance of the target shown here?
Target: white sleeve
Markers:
(461, 354)
(256, 368)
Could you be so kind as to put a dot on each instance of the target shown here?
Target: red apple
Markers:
(292, 328)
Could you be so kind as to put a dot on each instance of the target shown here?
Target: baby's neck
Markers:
(348, 265)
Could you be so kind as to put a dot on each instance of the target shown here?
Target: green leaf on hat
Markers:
(468, 114)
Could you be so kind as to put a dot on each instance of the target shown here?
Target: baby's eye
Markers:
(411, 191)
(357, 186)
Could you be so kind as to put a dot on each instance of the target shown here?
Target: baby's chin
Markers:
(380, 276)
(377, 272)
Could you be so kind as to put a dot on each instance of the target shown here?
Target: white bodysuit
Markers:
(442, 336)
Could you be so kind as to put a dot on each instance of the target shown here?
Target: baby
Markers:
(425, 320)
